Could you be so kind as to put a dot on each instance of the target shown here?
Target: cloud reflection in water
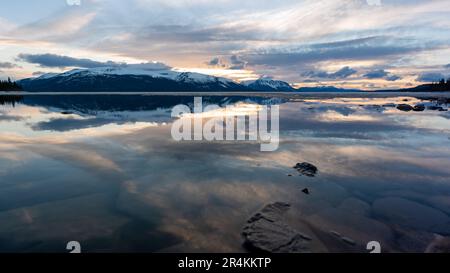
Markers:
(116, 179)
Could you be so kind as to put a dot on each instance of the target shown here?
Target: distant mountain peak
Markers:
(268, 84)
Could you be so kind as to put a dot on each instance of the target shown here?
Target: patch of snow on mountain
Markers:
(47, 76)
(268, 82)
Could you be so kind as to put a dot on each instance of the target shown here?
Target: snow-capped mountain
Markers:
(133, 78)
(151, 77)
(268, 84)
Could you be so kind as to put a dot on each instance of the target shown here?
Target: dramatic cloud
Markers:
(237, 63)
(376, 74)
(381, 74)
(357, 49)
(342, 73)
(214, 62)
(430, 77)
(52, 60)
(233, 62)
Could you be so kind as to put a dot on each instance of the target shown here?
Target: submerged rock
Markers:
(348, 241)
(306, 191)
(416, 241)
(344, 239)
(306, 169)
(411, 214)
(267, 231)
(335, 233)
(440, 244)
(405, 107)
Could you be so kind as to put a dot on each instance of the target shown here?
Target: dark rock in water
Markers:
(267, 231)
(405, 107)
(419, 108)
(289, 175)
(307, 169)
(306, 191)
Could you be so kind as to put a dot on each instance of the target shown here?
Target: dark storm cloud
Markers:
(52, 60)
(342, 73)
(357, 49)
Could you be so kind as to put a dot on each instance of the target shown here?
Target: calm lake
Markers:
(104, 171)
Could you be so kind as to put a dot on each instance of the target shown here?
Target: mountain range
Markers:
(151, 78)
(147, 78)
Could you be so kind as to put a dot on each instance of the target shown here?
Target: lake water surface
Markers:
(105, 171)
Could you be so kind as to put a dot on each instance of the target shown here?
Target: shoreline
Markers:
(364, 94)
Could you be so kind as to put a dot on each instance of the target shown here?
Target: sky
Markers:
(367, 44)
